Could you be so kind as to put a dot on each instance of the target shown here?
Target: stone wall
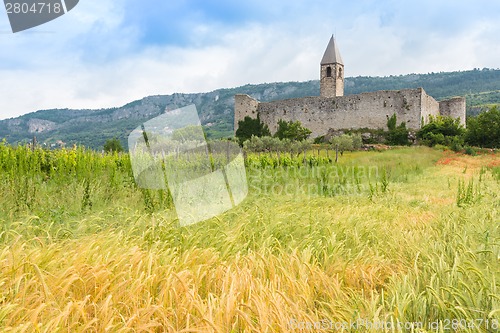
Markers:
(454, 108)
(429, 108)
(367, 110)
(244, 106)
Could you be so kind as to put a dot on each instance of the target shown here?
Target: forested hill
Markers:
(93, 127)
(439, 85)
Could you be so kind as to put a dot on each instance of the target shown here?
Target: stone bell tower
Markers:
(332, 72)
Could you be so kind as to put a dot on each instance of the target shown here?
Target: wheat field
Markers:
(395, 241)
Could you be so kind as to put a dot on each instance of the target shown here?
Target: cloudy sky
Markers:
(106, 53)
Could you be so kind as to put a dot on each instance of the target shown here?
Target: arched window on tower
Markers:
(328, 71)
(340, 72)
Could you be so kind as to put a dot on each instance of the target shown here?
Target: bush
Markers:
(470, 151)
(442, 130)
(319, 139)
(271, 144)
(291, 130)
(113, 145)
(456, 143)
(357, 141)
(397, 136)
(432, 139)
(484, 130)
(346, 142)
(369, 135)
(249, 127)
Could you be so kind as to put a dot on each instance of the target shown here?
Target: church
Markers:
(332, 110)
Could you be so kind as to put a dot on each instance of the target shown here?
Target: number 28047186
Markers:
(33, 8)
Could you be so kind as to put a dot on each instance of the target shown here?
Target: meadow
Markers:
(402, 240)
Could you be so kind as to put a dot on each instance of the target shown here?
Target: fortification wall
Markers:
(244, 106)
(370, 110)
(454, 107)
(430, 107)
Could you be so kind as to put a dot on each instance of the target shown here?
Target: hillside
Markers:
(93, 127)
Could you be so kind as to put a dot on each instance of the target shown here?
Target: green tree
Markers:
(442, 130)
(484, 130)
(254, 144)
(391, 122)
(291, 130)
(397, 135)
(113, 145)
(249, 127)
(342, 143)
(346, 142)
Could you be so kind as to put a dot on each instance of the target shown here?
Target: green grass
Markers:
(392, 236)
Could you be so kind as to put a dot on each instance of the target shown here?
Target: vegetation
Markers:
(188, 133)
(484, 130)
(397, 135)
(407, 236)
(346, 142)
(249, 127)
(291, 130)
(273, 144)
(443, 131)
(113, 145)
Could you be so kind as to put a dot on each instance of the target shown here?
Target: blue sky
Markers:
(106, 53)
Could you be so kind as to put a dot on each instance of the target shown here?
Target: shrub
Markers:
(357, 141)
(442, 130)
(271, 144)
(368, 135)
(470, 151)
(456, 143)
(346, 142)
(484, 130)
(319, 139)
(249, 127)
(291, 130)
(397, 136)
(113, 145)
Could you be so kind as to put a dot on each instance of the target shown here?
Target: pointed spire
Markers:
(332, 54)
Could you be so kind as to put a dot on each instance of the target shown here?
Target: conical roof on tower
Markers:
(332, 54)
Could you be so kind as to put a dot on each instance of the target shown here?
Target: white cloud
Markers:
(251, 55)
(95, 59)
